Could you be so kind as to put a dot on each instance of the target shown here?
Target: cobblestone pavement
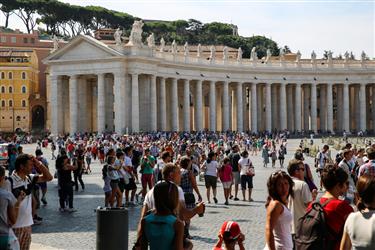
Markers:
(78, 230)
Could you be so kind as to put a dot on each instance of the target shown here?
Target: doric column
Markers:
(239, 108)
(119, 83)
(313, 107)
(163, 105)
(225, 106)
(174, 104)
(298, 108)
(362, 100)
(268, 108)
(373, 107)
(306, 104)
(73, 103)
(254, 119)
(355, 109)
(329, 107)
(283, 111)
(322, 107)
(346, 112)
(274, 107)
(101, 104)
(186, 105)
(290, 112)
(339, 123)
(212, 106)
(135, 103)
(153, 113)
(198, 107)
(54, 104)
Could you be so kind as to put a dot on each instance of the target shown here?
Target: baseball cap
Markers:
(230, 230)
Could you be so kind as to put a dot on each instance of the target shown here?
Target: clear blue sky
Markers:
(303, 25)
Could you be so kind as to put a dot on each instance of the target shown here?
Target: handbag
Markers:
(189, 198)
(251, 171)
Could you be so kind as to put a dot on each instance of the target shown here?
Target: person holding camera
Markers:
(9, 207)
(22, 180)
(147, 165)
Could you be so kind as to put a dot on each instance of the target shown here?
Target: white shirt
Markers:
(245, 165)
(302, 195)
(25, 217)
(211, 168)
(150, 200)
(360, 227)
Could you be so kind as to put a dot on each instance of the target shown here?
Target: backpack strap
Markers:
(326, 202)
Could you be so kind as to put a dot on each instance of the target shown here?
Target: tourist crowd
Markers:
(168, 165)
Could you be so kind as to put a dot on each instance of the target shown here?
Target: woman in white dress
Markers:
(279, 218)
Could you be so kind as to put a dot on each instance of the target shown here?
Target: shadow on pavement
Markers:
(84, 220)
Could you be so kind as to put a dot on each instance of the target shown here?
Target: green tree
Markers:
(8, 8)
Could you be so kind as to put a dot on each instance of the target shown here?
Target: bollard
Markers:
(112, 228)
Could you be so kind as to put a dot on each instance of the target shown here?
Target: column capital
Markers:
(54, 77)
(153, 76)
(363, 83)
(74, 77)
(118, 74)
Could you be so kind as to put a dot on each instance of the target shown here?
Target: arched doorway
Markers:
(37, 118)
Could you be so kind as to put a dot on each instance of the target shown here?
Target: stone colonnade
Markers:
(147, 102)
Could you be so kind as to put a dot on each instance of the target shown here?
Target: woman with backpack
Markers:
(336, 183)
(359, 228)
(279, 217)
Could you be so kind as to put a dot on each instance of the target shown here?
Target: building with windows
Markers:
(19, 90)
(14, 43)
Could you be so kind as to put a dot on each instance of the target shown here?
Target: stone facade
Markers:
(132, 87)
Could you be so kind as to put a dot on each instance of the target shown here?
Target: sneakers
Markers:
(231, 197)
(71, 210)
(37, 222)
(236, 199)
(62, 210)
(44, 201)
(215, 200)
(251, 199)
(226, 203)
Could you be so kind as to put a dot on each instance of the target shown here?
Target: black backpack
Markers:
(312, 232)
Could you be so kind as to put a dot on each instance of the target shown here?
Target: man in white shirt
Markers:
(23, 180)
(172, 173)
(302, 195)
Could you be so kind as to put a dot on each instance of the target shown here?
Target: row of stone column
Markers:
(276, 107)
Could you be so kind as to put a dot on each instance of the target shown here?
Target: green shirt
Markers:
(148, 164)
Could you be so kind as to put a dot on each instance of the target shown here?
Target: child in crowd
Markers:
(225, 174)
(230, 234)
(107, 182)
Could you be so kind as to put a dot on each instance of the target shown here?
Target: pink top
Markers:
(226, 173)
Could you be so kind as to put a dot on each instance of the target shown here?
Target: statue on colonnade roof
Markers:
(269, 54)
(136, 33)
(199, 50)
(117, 36)
(151, 41)
(225, 53)
(162, 45)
